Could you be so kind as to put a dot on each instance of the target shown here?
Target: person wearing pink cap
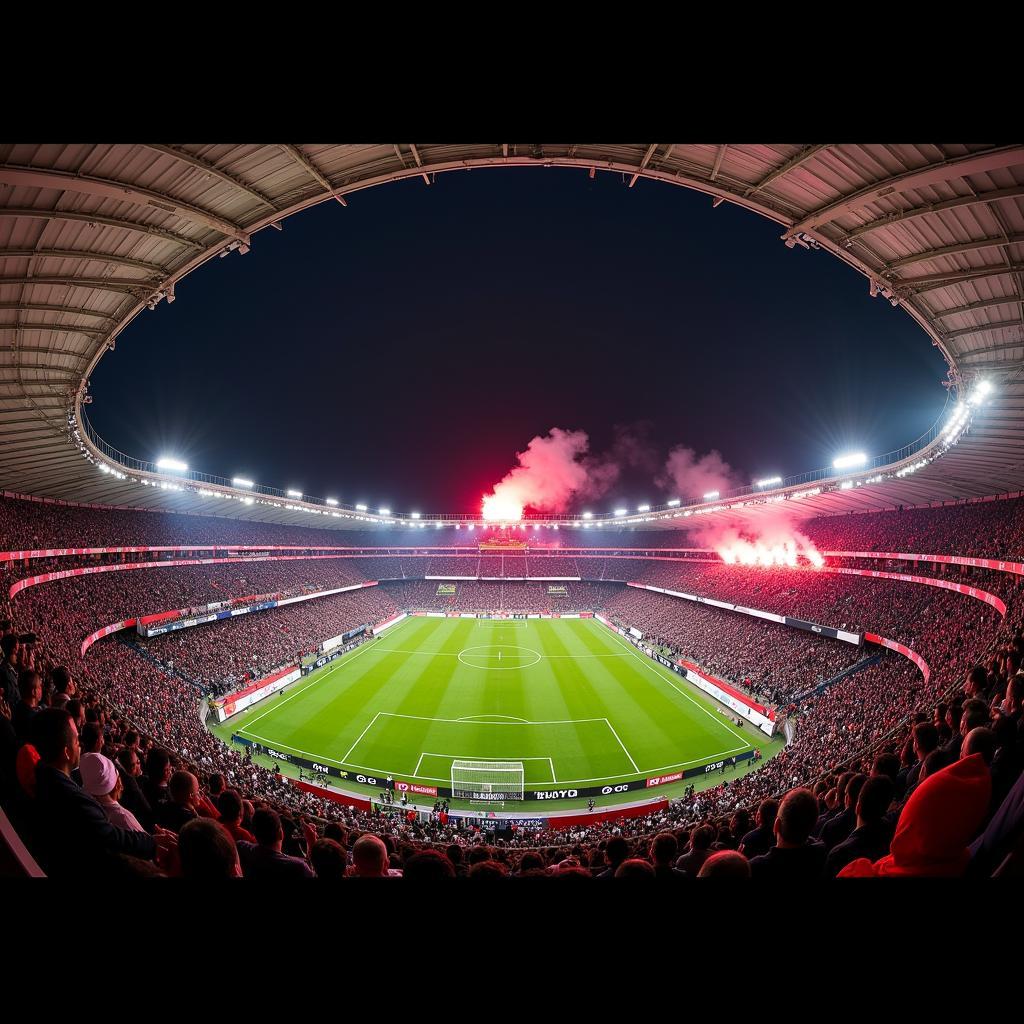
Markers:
(101, 780)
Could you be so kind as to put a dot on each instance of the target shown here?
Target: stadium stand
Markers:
(857, 792)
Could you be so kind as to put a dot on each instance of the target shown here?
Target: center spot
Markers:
(501, 657)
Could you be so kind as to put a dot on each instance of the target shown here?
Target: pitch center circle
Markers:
(499, 657)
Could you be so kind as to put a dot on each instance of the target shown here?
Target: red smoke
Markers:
(774, 543)
(550, 472)
(688, 476)
(557, 469)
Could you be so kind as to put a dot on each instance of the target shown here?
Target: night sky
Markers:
(400, 351)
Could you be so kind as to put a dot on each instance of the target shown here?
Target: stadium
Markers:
(815, 675)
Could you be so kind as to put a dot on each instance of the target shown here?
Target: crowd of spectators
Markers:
(770, 661)
(514, 597)
(984, 529)
(887, 775)
(218, 655)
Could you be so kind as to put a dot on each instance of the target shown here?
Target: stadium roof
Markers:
(93, 235)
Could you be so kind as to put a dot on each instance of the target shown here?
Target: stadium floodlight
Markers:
(294, 494)
(360, 508)
(848, 461)
(711, 496)
(643, 508)
(470, 526)
(383, 511)
(621, 511)
(768, 481)
(174, 465)
(332, 501)
(984, 387)
(674, 503)
(415, 515)
(240, 481)
(588, 515)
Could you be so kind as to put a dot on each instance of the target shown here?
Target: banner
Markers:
(377, 630)
(731, 698)
(445, 589)
(835, 634)
(415, 787)
(998, 565)
(242, 699)
(892, 645)
(558, 591)
(930, 581)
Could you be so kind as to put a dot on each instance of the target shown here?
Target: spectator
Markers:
(428, 866)
(63, 687)
(206, 851)
(838, 828)
(328, 859)
(663, 853)
(264, 859)
(100, 780)
(181, 807)
(370, 858)
(73, 836)
(635, 868)
(230, 806)
(727, 864)
(794, 856)
(30, 686)
(10, 669)
(700, 849)
(936, 825)
(761, 839)
(133, 799)
(616, 853)
(873, 833)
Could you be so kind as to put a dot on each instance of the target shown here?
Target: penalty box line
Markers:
(651, 666)
(432, 778)
(456, 757)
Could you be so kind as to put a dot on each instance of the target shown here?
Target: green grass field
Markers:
(578, 705)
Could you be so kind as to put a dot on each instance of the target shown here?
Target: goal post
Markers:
(488, 781)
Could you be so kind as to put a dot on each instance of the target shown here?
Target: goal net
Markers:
(487, 781)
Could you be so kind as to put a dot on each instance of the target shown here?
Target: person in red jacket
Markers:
(941, 817)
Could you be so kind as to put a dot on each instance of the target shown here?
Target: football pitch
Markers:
(573, 701)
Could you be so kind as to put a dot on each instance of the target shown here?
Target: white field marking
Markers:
(473, 718)
(654, 771)
(543, 657)
(502, 623)
(424, 718)
(360, 736)
(623, 745)
(317, 678)
(416, 770)
(557, 782)
(455, 757)
(334, 760)
(650, 664)
(470, 652)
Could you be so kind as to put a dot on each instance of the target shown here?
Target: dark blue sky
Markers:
(401, 350)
